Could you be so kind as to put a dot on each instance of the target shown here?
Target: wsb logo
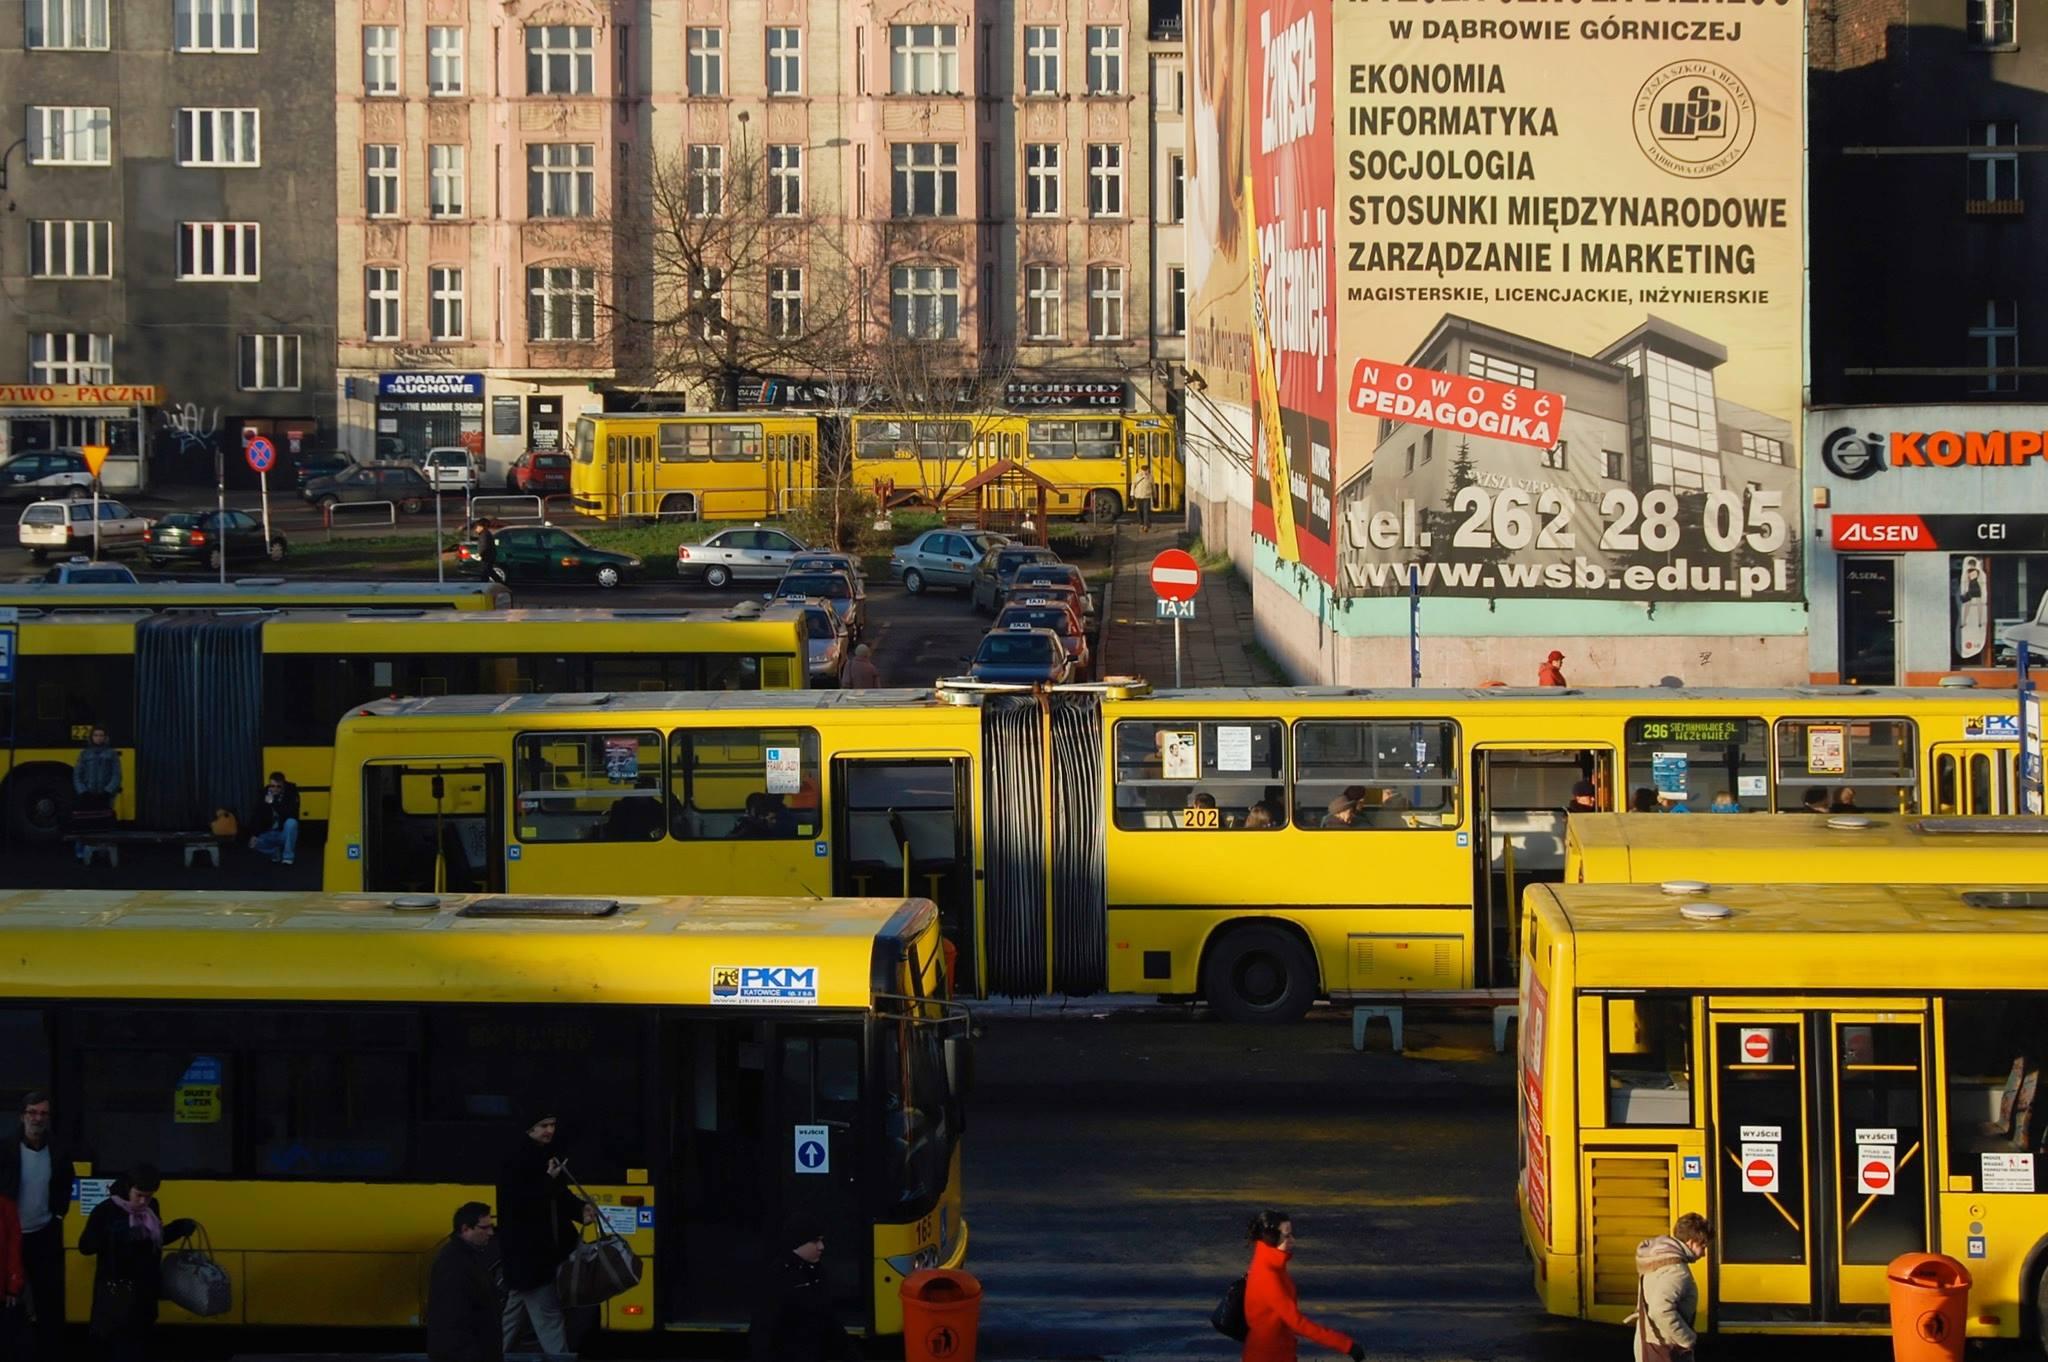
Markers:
(1697, 115)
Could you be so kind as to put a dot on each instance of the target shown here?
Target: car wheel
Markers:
(1104, 507)
(913, 582)
(1259, 973)
(411, 505)
(607, 576)
(326, 504)
(213, 560)
(716, 575)
(275, 552)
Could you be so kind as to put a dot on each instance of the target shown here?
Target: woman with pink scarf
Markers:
(125, 1236)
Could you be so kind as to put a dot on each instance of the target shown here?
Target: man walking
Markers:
(793, 1319)
(538, 1220)
(35, 1174)
(465, 1320)
(1141, 494)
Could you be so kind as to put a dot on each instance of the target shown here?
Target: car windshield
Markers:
(178, 520)
(830, 585)
(95, 574)
(813, 563)
(1046, 617)
(819, 624)
(1015, 648)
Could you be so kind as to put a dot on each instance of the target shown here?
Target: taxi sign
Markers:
(1176, 576)
(261, 454)
(95, 457)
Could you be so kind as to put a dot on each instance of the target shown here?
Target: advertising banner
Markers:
(1569, 307)
(1219, 276)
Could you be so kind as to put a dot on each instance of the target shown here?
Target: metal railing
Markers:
(388, 509)
(535, 508)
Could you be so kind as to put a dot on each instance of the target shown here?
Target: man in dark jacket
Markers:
(538, 1220)
(793, 1320)
(277, 820)
(35, 1174)
(465, 1319)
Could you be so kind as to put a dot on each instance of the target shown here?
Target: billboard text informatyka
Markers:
(1569, 309)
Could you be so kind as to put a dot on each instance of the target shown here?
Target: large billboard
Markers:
(1569, 301)
(1219, 275)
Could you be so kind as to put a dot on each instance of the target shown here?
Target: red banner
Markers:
(1892, 532)
(1477, 406)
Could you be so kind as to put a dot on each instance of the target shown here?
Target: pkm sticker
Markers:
(1694, 1170)
(1976, 1247)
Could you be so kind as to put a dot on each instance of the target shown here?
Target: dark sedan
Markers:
(997, 568)
(313, 467)
(1022, 656)
(837, 590)
(542, 553)
(1055, 574)
(1053, 615)
(401, 484)
(204, 536)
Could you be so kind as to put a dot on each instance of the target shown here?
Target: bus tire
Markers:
(1260, 973)
(1104, 507)
(679, 506)
(38, 803)
(716, 575)
(913, 581)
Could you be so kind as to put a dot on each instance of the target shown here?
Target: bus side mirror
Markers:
(959, 1066)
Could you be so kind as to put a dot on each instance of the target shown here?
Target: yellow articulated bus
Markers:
(1805, 1067)
(262, 593)
(1849, 848)
(1091, 459)
(324, 1079)
(203, 704)
(1256, 848)
(693, 465)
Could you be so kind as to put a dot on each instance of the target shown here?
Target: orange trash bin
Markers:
(941, 1315)
(1930, 1307)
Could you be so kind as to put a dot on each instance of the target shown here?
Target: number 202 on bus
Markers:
(1516, 518)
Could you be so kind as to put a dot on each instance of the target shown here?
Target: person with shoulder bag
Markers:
(1273, 1321)
(1667, 1297)
(125, 1237)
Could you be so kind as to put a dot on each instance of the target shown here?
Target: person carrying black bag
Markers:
(539, 1220)
(124, 1236)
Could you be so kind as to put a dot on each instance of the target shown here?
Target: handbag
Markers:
(1228, 1316)
(597, 1269)
(194, 1281)
(1654, 1348)
(113, 1308)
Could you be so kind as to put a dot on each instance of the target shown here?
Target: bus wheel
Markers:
(1104, 507)
(38, 804)
(679, 506)
(1259, 973)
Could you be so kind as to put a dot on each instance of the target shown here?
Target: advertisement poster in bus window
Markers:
(1988, 594)
(1570, 310)
(1219, 277)
(1535, 1142)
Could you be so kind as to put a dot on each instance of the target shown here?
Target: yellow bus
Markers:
(323, 1080)
(1641, 848)
(1090, 458)
(693, 465)
(202, 704)
(1255, 848)
(1802, 1066)
(263, 593)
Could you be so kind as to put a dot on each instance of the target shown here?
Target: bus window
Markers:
(1995, 1054)
(1203, 775)
(1386, 774)
(1945, 783)
(157, 1085)
(330, 1093)
(1686, 763)
(586, 439)
(881, 440)
(734, 443)
(944, 439)
(675, 445)
(1881, 1099)
(24, 1054)
(917, 1133)
(589, 787)
(66, 694)
(1096, 440)
(1866, 766)
(1050, 440)
(1649, 1061)
(759, 784)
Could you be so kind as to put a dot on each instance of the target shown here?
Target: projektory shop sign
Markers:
(1569, 311)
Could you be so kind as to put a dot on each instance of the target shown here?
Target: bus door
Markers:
(433, 827)
(902, 827)
(629, 460)
(1819, 1138)
(1519, 795)
(1974, 778)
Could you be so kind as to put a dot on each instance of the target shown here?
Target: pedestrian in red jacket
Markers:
(13, 1281)
(1269, 1309)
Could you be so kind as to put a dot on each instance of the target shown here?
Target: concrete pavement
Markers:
(1215, 645)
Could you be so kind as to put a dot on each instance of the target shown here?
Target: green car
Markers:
(542, 553)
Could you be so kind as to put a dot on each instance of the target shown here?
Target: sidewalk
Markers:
(1215, 644)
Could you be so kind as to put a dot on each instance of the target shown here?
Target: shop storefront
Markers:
(1930, 540)
(419, 411)
(35, 417)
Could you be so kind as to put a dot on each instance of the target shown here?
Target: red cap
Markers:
(1556, 656)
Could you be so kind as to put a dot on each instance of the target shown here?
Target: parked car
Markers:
(1056, 574)
(1053, 615)
(450, 468)
(204, 536)
(538, 473)
(313, 467)
(401, 484)
(836, 589)
(546, 553)
(87, 570)
(941, 557)
(826, 641)
(827, 560)
(66, 527)
(997, 567)
(1024, 656)
(26, 477)
(738, 554)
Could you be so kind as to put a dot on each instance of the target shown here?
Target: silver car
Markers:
(738, 554)
(942, 557)
(827, 643)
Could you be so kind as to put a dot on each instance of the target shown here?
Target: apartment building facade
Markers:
(167, 253)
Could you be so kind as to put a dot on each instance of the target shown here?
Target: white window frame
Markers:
(382, 69)
(1999, 161)
(545, 284)
(1105, 59)
(215, 26)
(220, 137)
(1999, 328)
(268, 363)
(785, 301)
(71, 248)
(785, 62)
(1107, 319)
(446, 319)
(1105, 179)
(785, 180)
(705, 187)
(382, 180)
(707, 292)
(924, 59)
(55, 132)
(447, 180)
(66, 25)
(547, 170)
(1045, 302)
(96, 365)
(239, 243)
(924, 302)
(1041, 60)
(1043, 179)
(932, 165)
(573, 47)
(704, 62)
(383, 303)
(446, 77)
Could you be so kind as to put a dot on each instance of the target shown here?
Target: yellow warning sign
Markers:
(197, 1104)
(95, 456)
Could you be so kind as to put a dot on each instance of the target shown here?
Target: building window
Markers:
(1993, 23)
(444, 61)
(1554, 457)
(1105, 180)
(707, 180)
(785, 61)
(707, 299)
(219, 137)
(1041, 60)
(69, 135)
(1105, 59)
(924, 59)
(1763, 447)
(269, 364)
(1176, 187)
(706, 68)
(219, 250)
(380, 303)
(561, 303)
(73, 249)
(561, 180)
(380, 60)
(1176, 300)
(785, 180)
(1615, 464)
(444, 303)
(214, 25)
(785, 301)
(1497, 370)
(1169, 88)
(924, 302)
(1042, 179)
(380, 180)
(1995, 343)
(926, 179)
(1105, 302)
(445, 176)
(558, 60)
(55, 25)
(1682, 413)
(70, 357)
(1994, 174)
(1044, 302)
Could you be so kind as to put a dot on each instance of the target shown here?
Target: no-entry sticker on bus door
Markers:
(1759, 1168)
(1756, 1044)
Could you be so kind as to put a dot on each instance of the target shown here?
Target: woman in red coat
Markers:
(1269, 1309)
(13, 1282)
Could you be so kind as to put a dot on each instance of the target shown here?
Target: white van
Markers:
(450, 468)
(66, 527)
